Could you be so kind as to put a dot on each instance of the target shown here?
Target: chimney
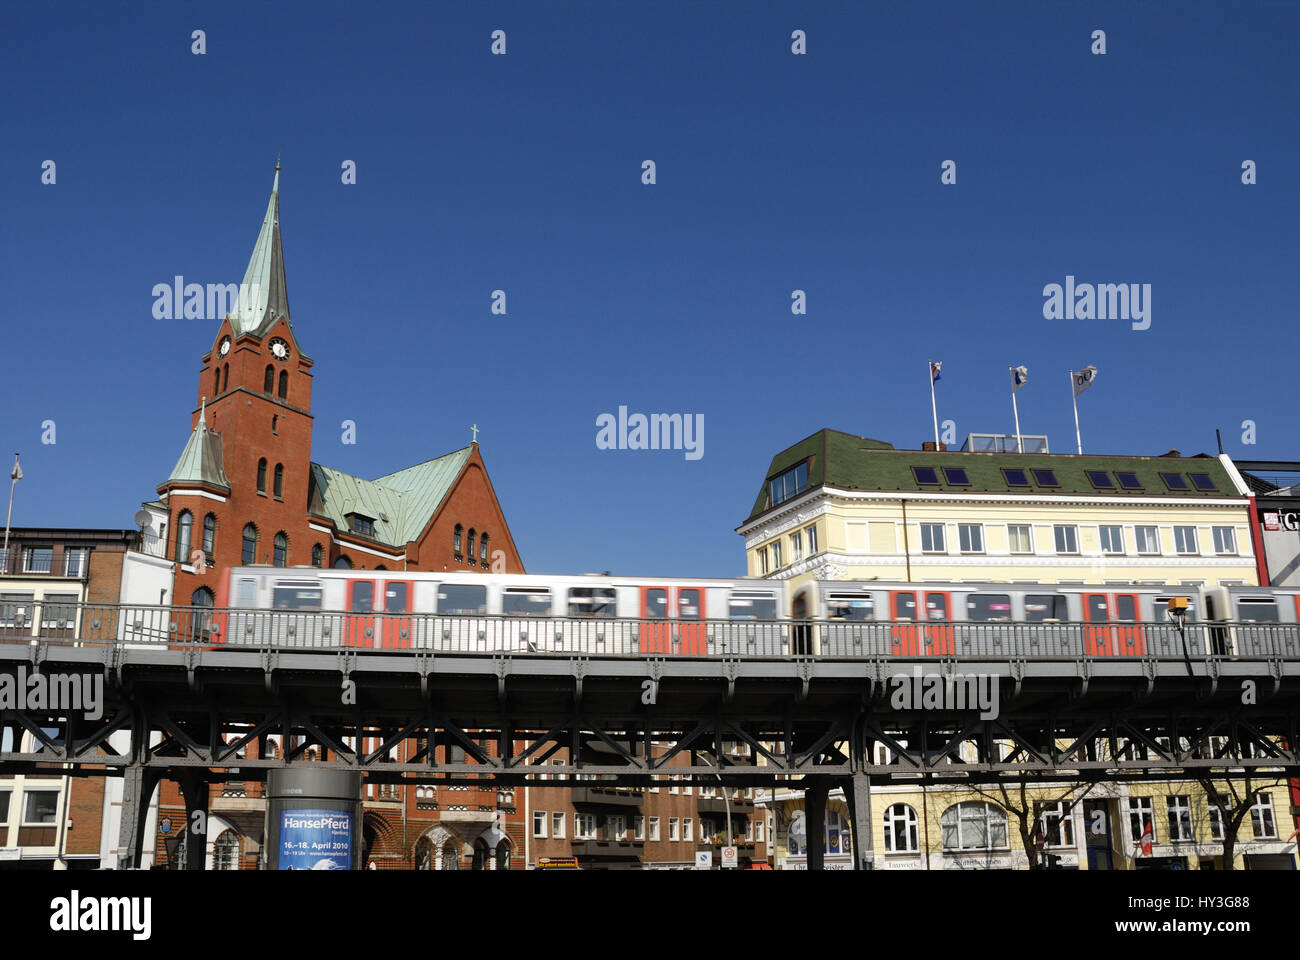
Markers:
(929, 445)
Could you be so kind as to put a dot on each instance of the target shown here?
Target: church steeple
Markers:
(264, 296)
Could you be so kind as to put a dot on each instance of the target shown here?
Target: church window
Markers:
(209, 535)
(343, 563)
(269, 383)
(261, 475)
(284, 384)
(455, 540)
(279, 481)
(469, 551)
(225, 378)
(482, 550)
(281, 549)
(316, 555)
(216, 381)
(275, 423)
(184, 527)
(249, 554)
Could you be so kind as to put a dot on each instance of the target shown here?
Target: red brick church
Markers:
(245, 490)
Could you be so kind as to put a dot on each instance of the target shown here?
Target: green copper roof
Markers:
(859, 463)
(267, 297)
(401, 503)
(201, 460)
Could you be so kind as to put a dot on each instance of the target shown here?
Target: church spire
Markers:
(264, 298)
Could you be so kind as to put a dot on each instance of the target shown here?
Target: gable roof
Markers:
(859, 463)
(401, 503)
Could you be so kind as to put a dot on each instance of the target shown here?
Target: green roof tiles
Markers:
(859, 463)
(401, 503)
(200, 461)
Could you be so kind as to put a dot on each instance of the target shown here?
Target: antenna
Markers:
(1220, 439)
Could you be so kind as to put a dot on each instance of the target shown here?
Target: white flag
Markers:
(1083, 379)
(17, 472)
(1019, 376)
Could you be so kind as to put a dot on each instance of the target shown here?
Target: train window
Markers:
(988, 607)
(1044, 606)
(904, 606)
(592, 602)
(294, 596)
(461, 599)
(751, 606)
(363, 596)
(936, 606)
(246, 594)
(395, 597)
(526, 601)
(1126, 608)
(688, 604)
(1257, 611)
(1097, 610)
(656, 603)
(847, 606)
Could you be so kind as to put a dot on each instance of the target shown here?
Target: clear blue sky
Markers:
(522, 172)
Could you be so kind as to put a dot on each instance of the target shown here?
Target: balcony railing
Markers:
(820, 639)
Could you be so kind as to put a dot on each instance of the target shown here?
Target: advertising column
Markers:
(313, 820)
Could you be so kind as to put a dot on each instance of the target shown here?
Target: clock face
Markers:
(225, 346)
(279, 348)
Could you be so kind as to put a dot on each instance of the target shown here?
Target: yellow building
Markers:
(839, 507)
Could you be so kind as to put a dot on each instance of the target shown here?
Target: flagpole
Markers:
(1078, 438)
(13, 482)
(934, 409)
(1020, 447)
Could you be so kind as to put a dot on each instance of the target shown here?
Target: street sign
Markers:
(728, 857)
(704, 860)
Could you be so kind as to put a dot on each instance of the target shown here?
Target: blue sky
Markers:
(522, 172)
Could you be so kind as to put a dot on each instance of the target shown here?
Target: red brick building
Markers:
(245, 490)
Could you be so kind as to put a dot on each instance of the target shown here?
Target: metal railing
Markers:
(91, 623)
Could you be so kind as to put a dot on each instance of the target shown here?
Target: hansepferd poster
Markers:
(315, 840)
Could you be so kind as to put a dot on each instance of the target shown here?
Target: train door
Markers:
(654, 615)
(906, 635)
(691, 630)
(1128, 631)
(938, 628)
(801, 636)
(1097, 639)
(359, 628)
(397, 601)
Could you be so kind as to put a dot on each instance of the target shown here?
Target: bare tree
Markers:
(1029, 808)
(1233, 805)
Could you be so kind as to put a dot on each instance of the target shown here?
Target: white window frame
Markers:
(1072, 533)
(584, 826)
(1181, 532)
(970, 537)
(638, 828)
(1225, 541)
(812, 539)
(1012, 530)
(654, 829)
(1141, 810)
(1115, 530)
(1262, 807)
(1151, 532)
(539, 824)
(557, 825)
(1216, 823)
(796, 546)
(1178, 808)
(688, 830)
(930, 529)
(673, 829)
(905, 815)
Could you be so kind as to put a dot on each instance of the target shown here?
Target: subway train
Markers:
(526, 613)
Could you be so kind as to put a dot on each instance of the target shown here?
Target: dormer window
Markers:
(789, 484)
(360, 523)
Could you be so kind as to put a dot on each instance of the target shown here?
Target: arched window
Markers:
(503, 855)
(225, 852)
(281, 547)
(269, 749)
(261, 475)
(469, 550)
(450, 857)
(202, 597)
(316, 555)
(209, 535)
(482, 550)
(343, 563)
(184, 527)
(974, 826)
(216, 380)
(275, 423)
(455, 540)
(278, 488)
(900, 829)
(225, 378)
(423, 854)
(381, 567)
(249, 553)
(268, 384)
(284, 384)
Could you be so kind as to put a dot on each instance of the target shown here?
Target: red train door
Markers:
(397, 600)
(359, 629)
(1124, 610)
(906, 635)
(654, 607)
(690, 607)
(1097, 640)
(938, 629)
